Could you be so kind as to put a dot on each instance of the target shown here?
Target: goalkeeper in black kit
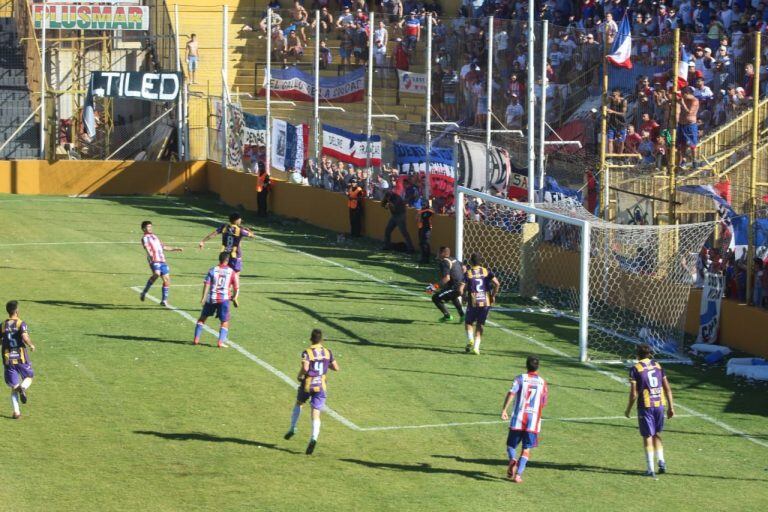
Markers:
(447, 289)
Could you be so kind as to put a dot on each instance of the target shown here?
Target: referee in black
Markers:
(451, 276)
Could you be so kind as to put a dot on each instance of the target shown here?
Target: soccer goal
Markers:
(623, 284)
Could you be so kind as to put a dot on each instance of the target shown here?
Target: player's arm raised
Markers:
(670, 401)
(632, 397)
(172, 249)
(208, 237)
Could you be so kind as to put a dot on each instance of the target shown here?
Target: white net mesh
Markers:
(639, 276)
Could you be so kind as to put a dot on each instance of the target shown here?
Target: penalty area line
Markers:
(271, 369)
(529, 339)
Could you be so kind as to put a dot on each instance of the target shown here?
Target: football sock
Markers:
(198, 330)
(148, 285)
(223, 334)
(510, 452)
(470, 337)
(315, 428)
(649, 459)
(477, 342)
(659, 453)
(15, 401)
(165, 293)
(28, 382)
(295, 416)
(521, 465)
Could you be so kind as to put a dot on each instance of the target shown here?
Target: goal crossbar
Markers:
(584, 253)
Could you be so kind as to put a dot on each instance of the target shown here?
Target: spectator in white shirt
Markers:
(514, 114)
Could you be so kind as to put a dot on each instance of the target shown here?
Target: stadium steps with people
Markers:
(246, 61)
(15, 105)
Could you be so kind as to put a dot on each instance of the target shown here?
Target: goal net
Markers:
(623, 284)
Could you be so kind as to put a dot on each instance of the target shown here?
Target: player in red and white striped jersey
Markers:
(529, 392)
(157, 263)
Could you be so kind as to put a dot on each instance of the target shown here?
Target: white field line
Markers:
(271, 369)
(524, 337)
(497, 422)
(257, 282)
(136, 243)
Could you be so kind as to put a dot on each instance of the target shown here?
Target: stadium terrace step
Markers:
(15, 105)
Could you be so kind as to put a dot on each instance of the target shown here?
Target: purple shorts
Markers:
(15, 373)
(236, 264)
(220, 311)
(477, 314)
(650, 421)
(316, 398)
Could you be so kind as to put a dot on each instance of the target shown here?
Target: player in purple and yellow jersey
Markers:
(530, 393)
(315, 363)
(17, 367)
(483, 287)
(649, 386)
(231, 236)
(157, 262)
(220, 286)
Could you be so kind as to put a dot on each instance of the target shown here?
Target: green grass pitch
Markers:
(125, 414)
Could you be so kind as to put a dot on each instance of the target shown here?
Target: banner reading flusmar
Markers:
(91, 16)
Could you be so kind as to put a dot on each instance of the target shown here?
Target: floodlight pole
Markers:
(489, 107)
(369, 116)
(544, 85)
(268, 96)
(458, 203)
(428, 99)
(317, 87)
(224, 87)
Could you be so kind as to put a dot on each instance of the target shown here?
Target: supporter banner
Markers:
(91, 16)
(634, 210)
(554, 192)
(473, 167)
(350, 147)
(412, 159)
(709, 318)
(736, 226)
(294, 84)
(518, 184)
(254, 130)
(413, 83)
(140, 85)
(289, 145)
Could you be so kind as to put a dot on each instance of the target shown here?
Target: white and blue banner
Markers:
(350, 147)
(737, 225)
(289, 145)
(709, 317)
(294, 84)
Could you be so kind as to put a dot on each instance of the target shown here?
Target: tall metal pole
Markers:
(605, 172)
(369, 112)
(428, 124)
(43, 82)
(584, 291)
(458, 203)
(544, 85)
(224, 87)
(268, 95)
(531, 105)
(317, 87)
(672, 164)
(753, 167)
(489, 107)
(180, 139)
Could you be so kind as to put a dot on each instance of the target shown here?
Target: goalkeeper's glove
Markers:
(432, 288)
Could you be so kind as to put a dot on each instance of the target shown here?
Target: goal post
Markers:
(582, 225)
(623, 284)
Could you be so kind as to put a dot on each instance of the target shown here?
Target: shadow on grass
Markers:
(211, 438)
(93, 306)
(151, 339)
(446, 374)
(575, 466)
(424, 467)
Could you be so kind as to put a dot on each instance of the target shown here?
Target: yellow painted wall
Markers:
(85, 177)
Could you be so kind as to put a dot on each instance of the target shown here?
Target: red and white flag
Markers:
(682, 68)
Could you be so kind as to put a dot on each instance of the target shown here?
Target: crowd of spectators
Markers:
(734, 271)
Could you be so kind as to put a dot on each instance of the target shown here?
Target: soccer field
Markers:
(126, 414)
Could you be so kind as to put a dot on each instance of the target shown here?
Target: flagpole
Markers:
(603, 182)
(753, 167)
(489, 107)
(43, 83)
(531, 108)
(369, 116)
(544, 84)
(672, 126)
(317, 88)
(428, 99)
(268, 96)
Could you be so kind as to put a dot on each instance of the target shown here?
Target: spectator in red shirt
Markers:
(401, 56)
(649, 125)
(632, 141)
